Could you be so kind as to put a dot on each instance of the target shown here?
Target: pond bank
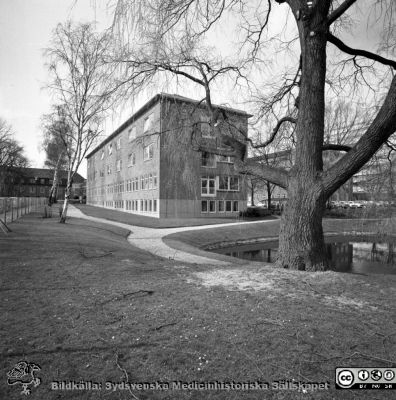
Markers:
(210, 239)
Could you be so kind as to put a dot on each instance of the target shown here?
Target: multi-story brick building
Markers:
(150, 165)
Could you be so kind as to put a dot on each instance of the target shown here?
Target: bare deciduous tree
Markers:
(11, 157)
(83, 84)
(11, 153)
(55, 147)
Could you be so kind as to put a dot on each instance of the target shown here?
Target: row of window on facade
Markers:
(33, 181)
(209, 206)
(206, 132)
(132, 135)
(209, 184)
(144, 182)
(208, 160)
(33, 190)
(134, 205)
(148, 154)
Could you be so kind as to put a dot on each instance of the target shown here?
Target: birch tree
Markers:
(82, 84)
(55, 146)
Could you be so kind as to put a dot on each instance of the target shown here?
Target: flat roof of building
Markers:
(150, 104)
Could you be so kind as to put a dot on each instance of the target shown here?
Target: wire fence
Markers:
(12, 208)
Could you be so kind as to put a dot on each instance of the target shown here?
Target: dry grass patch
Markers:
(84, 304)
(274, 282)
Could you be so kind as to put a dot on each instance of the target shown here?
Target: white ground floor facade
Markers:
(168, 208)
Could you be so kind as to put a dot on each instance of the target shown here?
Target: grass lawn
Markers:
(150, 222)
(82, 303)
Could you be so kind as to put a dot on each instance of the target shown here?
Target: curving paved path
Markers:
(150, 239)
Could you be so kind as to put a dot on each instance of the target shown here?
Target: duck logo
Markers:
(23, 373)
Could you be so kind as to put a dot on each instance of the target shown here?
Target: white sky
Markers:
(26, 27)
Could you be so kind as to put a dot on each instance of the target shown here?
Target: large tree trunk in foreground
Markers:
(301, 241)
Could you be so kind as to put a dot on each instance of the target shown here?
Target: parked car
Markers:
(355, 204)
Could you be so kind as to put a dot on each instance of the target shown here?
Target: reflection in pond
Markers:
(346, 254)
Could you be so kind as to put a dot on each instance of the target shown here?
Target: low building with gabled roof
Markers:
(37, 182)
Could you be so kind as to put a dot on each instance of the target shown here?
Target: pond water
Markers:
(346, 254)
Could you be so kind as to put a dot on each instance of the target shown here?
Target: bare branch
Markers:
(358, 52)
(339, 11)
(383, 126)
(273, 133)
(336, 147)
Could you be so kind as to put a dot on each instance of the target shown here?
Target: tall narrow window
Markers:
(148, 122)
(234, 183)
(223, 182)
(148, 152)
(131, 159)
(132, 133)
(150, 181)
(204, 186)
(206, 129)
